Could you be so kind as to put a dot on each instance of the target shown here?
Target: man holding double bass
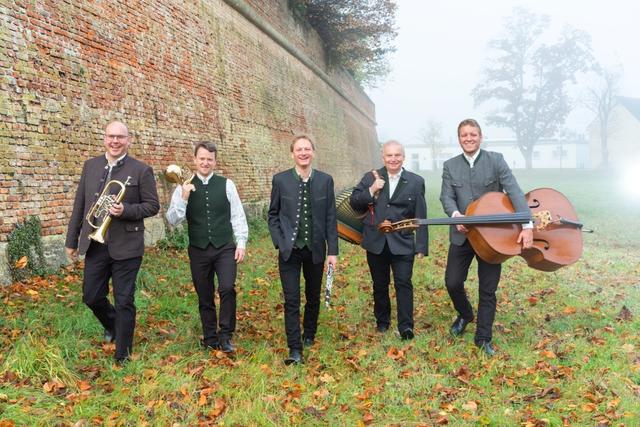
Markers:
(465, 178)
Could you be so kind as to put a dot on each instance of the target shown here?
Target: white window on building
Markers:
(559, 152)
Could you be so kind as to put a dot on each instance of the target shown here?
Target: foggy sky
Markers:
(442, 47)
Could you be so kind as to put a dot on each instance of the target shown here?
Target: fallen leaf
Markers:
(470, 406)
(326, 378)
(548, 354)
(218, 408)
(22, 262)
(367, 418)
(625, 314)
(395, 353)
(569, 310)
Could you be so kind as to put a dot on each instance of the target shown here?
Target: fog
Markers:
(442, 48)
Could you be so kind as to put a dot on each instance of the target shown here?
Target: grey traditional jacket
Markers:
(462, 184)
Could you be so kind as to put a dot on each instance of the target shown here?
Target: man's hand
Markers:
(72, 254)
(526, 238)
(116, 209)
(460, 227)
(187, 188)
(239, 256)
(420, 255)
(332, 260)
(378, 184)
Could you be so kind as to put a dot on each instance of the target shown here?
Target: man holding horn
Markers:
(218, 235)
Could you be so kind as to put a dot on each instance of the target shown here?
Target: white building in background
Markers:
(624, 129)
(551, 153)
(548, 153)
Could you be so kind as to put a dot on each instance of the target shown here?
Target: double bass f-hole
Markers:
(536, 204)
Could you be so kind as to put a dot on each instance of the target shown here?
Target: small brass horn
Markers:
(178, 175)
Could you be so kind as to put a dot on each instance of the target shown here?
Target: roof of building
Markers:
(631, 104)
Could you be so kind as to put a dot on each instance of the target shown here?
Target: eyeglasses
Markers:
(116, 137)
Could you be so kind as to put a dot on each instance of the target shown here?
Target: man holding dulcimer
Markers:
(465, 178)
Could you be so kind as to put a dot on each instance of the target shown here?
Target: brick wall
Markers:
(175, 73)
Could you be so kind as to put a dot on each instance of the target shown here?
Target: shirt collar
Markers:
(472, 159)
(205, 180)
(299, 178)
(118, 160)
(396, 176)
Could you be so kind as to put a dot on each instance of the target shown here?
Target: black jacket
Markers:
(407, 202)
(284, 206)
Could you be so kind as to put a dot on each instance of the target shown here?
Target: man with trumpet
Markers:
(218, 235)
(115, 193)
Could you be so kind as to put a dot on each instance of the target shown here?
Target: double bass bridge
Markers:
(542, 219)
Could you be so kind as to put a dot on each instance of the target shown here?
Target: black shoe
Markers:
(109, 336)
(121, 361)
(213, 346)
(295, 357)
(308, 341)
(407, 334)
(459, 325)
(382, 328)
(487, 348)
(226, 346)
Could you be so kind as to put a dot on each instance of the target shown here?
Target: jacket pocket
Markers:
(134, 227)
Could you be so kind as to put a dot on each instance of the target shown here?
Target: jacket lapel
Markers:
(401, 185)
(384, 193)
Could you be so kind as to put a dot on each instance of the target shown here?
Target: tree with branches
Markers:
(431, 136)
(357, 34)
(528, 78)
(601, 98)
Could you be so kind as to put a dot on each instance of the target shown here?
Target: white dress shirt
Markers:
(393, 182)
(178, 210)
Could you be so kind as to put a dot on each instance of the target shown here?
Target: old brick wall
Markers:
(176, 72)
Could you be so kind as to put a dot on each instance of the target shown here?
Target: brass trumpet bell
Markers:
(177, 175)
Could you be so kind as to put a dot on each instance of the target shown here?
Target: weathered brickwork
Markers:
(175, 72)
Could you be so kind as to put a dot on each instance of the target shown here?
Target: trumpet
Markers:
(177, 175)
(100, 209)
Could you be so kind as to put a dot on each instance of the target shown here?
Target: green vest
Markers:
(305, 219)
(209, 214)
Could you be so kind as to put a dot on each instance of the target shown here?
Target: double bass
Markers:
(494, 227)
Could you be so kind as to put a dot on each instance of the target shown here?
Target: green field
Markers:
(568, 343)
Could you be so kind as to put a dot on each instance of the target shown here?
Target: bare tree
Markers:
(602, 99)
(431, 135)
(528, 78)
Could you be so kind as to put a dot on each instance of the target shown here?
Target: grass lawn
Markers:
(568, 343)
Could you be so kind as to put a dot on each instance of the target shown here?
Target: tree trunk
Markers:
(605, 150)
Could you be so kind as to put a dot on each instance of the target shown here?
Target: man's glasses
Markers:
(116, 137)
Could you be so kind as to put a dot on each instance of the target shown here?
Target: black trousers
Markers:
(99, 268)
(458, 262)
(301, 259)
(205, 264)
(381, 267)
